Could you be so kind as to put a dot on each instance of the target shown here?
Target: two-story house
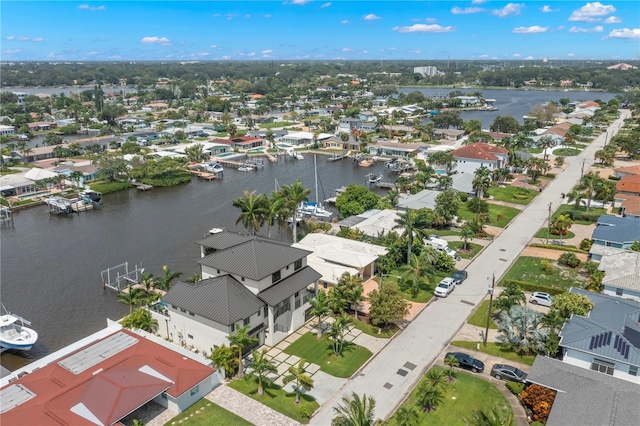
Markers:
(348, 124)
(473, 156)
(246, 280)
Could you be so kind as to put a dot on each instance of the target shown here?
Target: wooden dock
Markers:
(386, 185)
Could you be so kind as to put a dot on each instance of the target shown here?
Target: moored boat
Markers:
(14, 334)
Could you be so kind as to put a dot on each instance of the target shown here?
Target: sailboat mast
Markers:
(315, 168)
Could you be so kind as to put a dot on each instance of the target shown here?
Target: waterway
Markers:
(50, 265)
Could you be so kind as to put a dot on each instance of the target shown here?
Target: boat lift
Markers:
(119, 277)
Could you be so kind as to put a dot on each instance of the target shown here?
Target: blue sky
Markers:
(318, 30)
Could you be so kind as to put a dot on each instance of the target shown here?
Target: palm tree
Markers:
(294, 195)
(355, 411)
(164, 282)
(445, 182)
(521, 329)
(76, 176)
(467, 233)
(411, 221)
(561, 224)
(429, 397)
(545, 143)
(451, 362)
(337, 332)
(253, 211)
(274, 211)
(490, 417)
(415, 271)
(353, 290)
(241, 339)
(260, 366)
(512, 295)
(134, 296)
(478, 206)
(296, 374)
(588, 184)
(319, 308)
(481, 181)
(435, 377)
(406, 416)
(575, 196)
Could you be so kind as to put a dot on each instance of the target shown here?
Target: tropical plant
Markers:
(560, 225)
(253, 211)
(141, 319)
(387, 305)
(567, 304)
(260, 366)
(406, 415)
(337, 332)
(411, 221)
(467, 233)
(134, 296)
(520, 328)
(319, 308)
(435, 377)
(478, 206)
(451, 362)
(481, 181)
(589, 183)
(241, 339)
(429, 397)
(490, 417)
(226, 357)
(164, 282)
(512, 295)
(355, 410)
(274, 211)
(569, 259)
(294, 195)
(539, 400)
(297, 375)
(415, 273)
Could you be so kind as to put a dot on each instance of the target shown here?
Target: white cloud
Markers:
(430, 20)
(297, 2)
(547, 9)
(346, 49)
(214, 46)
(24, 38)
(91, 8)
(423, 28)
(216, 15)
(155, 40)
(633, 33)
(571, 55)
(327, 4)
(344, 22)
(478, 1)
(92, 53)
(266, 52)
(11, 51)
(534, 29)
(415, 52)
(596, 29)
(591, 12)
(251, 54)
(465, 11)
(508, 10)
(371, 17)
(612, 20)
(204, 54)
(516, 55)
(529, 58)
(37, 39)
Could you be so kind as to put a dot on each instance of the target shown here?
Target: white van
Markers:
(442, 245)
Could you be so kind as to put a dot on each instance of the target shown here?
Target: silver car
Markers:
(445, 287)
(541, 298)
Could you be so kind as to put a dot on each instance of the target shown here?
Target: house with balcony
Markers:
(348, 125)
(473, 156)
(246, 280)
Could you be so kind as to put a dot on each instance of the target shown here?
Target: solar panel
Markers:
(598, 340)
(593, 338)
(626, 353)
(95, 354)
(608, 338)
(617, 341)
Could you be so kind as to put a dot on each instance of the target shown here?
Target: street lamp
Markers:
(387, 275)
(490, 291)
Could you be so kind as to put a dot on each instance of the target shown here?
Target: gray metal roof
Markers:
(221, 299)
(586, 397)
(617, 229)
(289, 285)
(223, 240)
(255, 259)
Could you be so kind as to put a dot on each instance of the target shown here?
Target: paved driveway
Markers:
(391, 375)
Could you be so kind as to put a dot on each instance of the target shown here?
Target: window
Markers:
(603, 366)
(618, 292)
(195, 390)
(275, 277)
(174, 306)
(190, 336)
(217, 271)
(266, 311)
(163, 395)
(246, 321)
(298, 264)
(633, 370)
(233, 327)
(183, 310)
(192, 314)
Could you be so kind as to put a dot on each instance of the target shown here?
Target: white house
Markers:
(473, 156)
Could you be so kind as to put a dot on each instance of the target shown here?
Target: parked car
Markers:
(508, 372)
(445, 287)
(460, 276)
(467, 361)
(541, 298)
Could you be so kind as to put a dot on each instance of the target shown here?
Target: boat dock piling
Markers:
(6, 218)
(60, 205)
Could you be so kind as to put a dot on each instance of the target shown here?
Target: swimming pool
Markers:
(441, 172)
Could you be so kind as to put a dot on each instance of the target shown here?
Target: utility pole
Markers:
(490, 291)
(582, 169)
(549, 223)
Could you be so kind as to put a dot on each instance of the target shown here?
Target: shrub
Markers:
(590, 266)
(569, 259)
(463, 196)
(613, 177)
(539, 400)
(515, 387)
(558, 247)
(526, 286)
(586, 244)
(546, 266)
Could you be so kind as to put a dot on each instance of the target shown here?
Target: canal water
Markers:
(50, 265)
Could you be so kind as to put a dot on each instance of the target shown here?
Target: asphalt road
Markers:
(394, 371)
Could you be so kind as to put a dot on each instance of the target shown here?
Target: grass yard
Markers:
(583, 216)
(461, 398)
(206, 413)
(479, 317)
(275, 124)
(496, 349)
(277, 398)
(385, 333)
(441, 232)
(425, 293)
(465, 254)
(500, 215)
(320, 352)
(566, 152)
(542, 233)
(529, 269)
(512, 194)
(535, 150)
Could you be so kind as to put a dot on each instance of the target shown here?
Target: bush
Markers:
(546, 266)
(463, 196)
(550, 175)
(569, 259)
(515, 387)
(586, 244)
(526, 286)
(613, 177)
(539, 400)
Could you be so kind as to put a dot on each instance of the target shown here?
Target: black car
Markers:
(467, 361)
(460, 276)
(508, 372)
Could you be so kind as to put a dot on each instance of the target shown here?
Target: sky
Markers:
(318, 30)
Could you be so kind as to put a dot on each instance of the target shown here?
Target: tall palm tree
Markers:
(481, 181)
(260, 366)
(165, 281)
(575, 196)
(545, 143)
(589, 183)
(435, 377)
(451, 362)
(337, 332)
(297, 375)
(274, 211)
(415, 272)
(134, 296)
(411, 220)
(294, 195)
(467, 233)
(241, 339)
(355, 410)
(319, 308)
(253, 211)
(429, 397)
(561, 224)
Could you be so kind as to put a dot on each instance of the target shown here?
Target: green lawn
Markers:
(441, 232)
(535, 150)
(582, 216)
(479, 317)
(206, 413)
(566, 152)
(275, 125)
(505, 213)
(465, 254)
(461, 398)
(529, 269)
(277, 398)
(542, 233)
(513, 194)
(371, 330)
(425, 293)
(495, 349)
(320, 352)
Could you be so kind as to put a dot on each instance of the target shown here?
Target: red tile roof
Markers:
(631, 170)
(631, 206)
(629, 184)
(479, 151)
(108, 390)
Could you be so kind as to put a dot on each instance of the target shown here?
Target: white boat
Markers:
(90, 196)
(314, 208)
(245, 168)
(374, 178)
(14, 334)
(213, 167)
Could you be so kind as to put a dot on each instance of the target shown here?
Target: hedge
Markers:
(613, 177)
(525, 286)
(572, 249)
(514, 387)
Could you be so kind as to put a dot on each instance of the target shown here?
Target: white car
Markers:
(445, 287)
(541, 298)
